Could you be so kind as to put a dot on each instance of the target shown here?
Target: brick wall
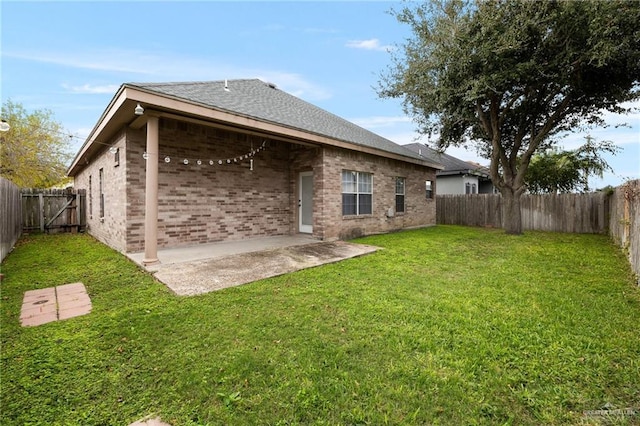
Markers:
(208, 203)
(225, 202)
(109, 229)
(419, 210)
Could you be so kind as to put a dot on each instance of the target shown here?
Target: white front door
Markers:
(305, 202)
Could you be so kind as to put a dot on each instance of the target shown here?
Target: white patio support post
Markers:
(151, 194)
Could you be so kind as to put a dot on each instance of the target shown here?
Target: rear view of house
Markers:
(180, 164)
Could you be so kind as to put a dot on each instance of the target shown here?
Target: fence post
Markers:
(41, 210)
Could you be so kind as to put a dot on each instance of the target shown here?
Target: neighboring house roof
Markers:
(452, 165)
(256, 100)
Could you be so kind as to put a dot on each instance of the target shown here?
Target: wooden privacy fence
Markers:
(10, 216)
(616, 214)
(624, 221)
(53, 210)
(578, 213)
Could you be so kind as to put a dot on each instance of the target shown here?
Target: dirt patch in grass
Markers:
(204, 276)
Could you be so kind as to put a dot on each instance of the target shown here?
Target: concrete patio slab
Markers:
(216, 250)
(210, 274)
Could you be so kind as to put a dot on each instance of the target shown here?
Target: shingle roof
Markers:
(452, 165)
(257, 99)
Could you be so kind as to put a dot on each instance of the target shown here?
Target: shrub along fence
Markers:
(616, 214)
(10, 216)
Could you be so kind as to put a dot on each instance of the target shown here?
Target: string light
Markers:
(231, 160)
(145, 155)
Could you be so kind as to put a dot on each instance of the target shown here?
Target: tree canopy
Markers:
(512, 75)
(35, 151)
(559, 171)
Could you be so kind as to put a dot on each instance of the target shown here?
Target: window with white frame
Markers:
(400, 184)
(357, 193)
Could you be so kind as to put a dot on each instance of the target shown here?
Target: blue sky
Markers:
(71, 57)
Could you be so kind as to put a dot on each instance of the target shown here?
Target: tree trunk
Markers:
(511, 214)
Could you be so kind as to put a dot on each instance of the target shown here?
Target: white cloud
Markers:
(91, 89)
(316, 30)
(377, 122)
(371, 44)
(134, 65)
(109, 60)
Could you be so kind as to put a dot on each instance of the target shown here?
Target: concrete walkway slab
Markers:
(150, 422)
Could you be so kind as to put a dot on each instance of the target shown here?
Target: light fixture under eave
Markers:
(139, 110)
(113, 150)
(4, 126)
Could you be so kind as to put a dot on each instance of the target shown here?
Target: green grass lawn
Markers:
(446, 325)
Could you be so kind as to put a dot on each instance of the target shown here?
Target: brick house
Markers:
(180, 164)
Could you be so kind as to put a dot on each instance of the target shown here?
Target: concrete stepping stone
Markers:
(150, 422)
(53, 304)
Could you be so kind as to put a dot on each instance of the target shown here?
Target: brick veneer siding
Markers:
(210, 203)
(109, 229)
(419, 211)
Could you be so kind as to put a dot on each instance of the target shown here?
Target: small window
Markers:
(90, 199)
(474, 188)
(400, 183)
(357, 193)
(429, 188)
(467, 188)
(116, 157)
(101, 193)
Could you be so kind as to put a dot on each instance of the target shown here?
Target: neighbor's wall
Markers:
(209, 203)
(419, 210)
(111, 228)
(450, 184)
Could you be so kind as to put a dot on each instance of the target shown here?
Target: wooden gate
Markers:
(53, 210)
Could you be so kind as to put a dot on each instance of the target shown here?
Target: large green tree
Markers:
(559, 171)
(512, 75)
(35, 151)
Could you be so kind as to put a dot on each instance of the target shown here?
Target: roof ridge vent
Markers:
(272, 85)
